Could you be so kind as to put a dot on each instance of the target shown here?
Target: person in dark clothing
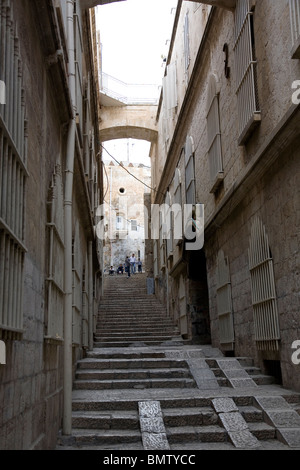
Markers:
(120, 269)
(140, 266)
(127, 266)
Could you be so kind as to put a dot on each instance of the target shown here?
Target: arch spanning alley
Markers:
(128, 122)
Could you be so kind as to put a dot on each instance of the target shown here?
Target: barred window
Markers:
(78, 68)
(134, 226)
(13, 175)
(77, 286)
(214, 135)
(266, 322)
(85, 306)
(162, 237)
(186, 35)
(190, 188)
(224, 302)
(295, 27)
(169, 224)
(248, 107)
(155, 258)
(178, 219)
(56, 249)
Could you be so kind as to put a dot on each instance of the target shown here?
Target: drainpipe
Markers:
(68, 375)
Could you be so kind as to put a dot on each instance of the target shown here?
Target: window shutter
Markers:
(170, 87)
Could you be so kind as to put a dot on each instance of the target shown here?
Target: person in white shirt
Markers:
(132, 263)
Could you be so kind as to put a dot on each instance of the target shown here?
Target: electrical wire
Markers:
(124, 168)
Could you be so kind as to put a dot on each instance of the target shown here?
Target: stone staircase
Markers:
(144, 388)
(128, 315)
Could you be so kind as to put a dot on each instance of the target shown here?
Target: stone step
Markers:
(259, 379)
(126, 419)
(130, 364)
(123, 354)
(262, 431)
(184, 434)
(106, 437)
(134, 384)
(132, 374)
(135, 338)
(145, 342)
(152, 328)
(251, 414)
(138, 312)
(131, 333)
(189, 416)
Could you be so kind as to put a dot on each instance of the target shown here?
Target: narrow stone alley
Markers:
(145, 388)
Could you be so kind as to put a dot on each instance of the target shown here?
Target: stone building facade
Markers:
(51, 185)
(228, 142)
(125, 212)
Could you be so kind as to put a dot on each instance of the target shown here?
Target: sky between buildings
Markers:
(135, 36)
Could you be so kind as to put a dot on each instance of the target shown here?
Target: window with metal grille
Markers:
(224, 302)
(214, 135)
(190, 188)
(169, 224)
(178, 219)
(186, 35)
(162, 237)
(295, 27)
(155, 258)
(78, 68)
(134, 226)
(266, 323)
(56, 249)
(249, 114)
(13, 175)
(77, 287)
(85, 306)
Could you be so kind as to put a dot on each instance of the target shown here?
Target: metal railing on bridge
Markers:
(129, 94)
